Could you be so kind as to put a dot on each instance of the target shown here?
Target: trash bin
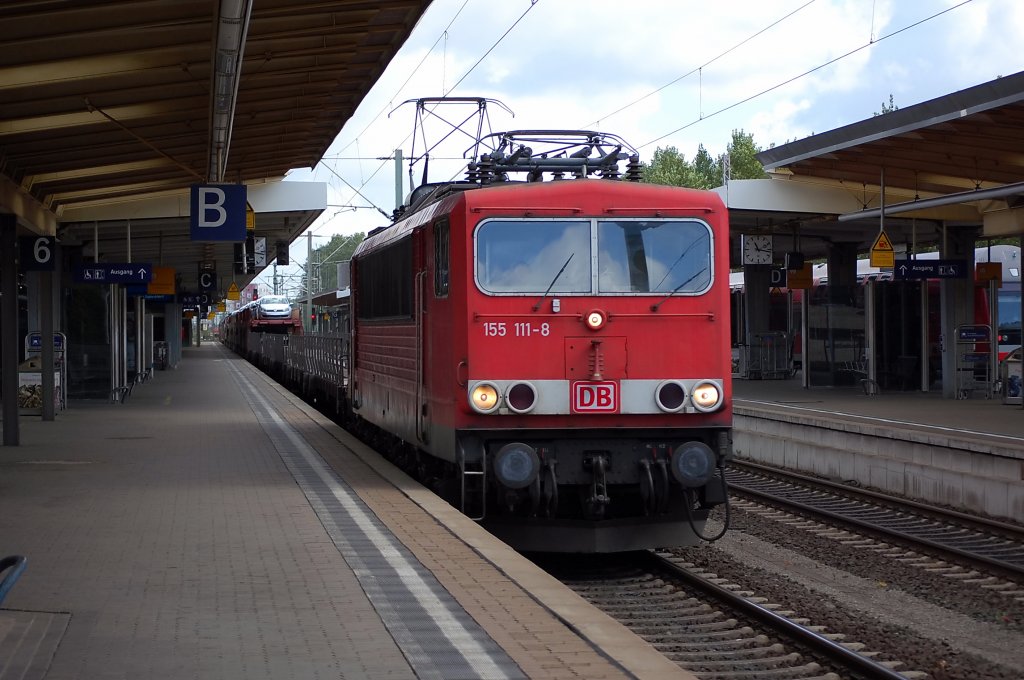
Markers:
(160, 355)
(1010, 377)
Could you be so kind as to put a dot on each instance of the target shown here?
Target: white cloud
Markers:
(574, 63)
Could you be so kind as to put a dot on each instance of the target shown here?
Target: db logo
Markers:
(595, 397)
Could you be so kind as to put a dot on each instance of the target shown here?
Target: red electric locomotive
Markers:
(556, 352)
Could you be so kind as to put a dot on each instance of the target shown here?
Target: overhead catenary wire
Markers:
(533, 3)
(765, 91)
(700, 68)
(443, 36)
(412, 73)
(702, 117)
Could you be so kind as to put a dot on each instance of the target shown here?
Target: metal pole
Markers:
(805, 345)
(870, 331)
(309, 281)
(399, 198)
(46, 333)
(993, 315)
(140, 317)
(9, 327)
(925, 349)
(115, 382)
(122, 296)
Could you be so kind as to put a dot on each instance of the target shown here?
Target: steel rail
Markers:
(819, 644)
(1004, 568)
(1014, 530)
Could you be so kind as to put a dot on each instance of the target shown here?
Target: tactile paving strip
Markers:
(433, 631)
(28, 641)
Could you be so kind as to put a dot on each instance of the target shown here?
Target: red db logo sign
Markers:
(595, 397)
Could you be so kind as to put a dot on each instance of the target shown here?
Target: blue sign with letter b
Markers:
(217, 212)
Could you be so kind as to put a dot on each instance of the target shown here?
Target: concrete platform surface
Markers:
(214, 526)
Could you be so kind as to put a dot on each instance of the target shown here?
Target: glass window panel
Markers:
(653, 256)
(527, 256)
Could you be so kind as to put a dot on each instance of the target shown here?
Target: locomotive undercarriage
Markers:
(596, 494)
(623, 488)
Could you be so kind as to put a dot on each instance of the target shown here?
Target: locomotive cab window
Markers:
(528, 256)
(633, 256)
(653, 256)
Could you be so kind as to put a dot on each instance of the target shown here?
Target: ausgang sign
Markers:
(217, 212)
(110, 272)
(930, 269)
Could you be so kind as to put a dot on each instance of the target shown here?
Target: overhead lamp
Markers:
(232, 28)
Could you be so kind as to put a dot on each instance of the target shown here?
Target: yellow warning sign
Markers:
(250, 217)
(233, 293)
(882, 253)
(882, 242)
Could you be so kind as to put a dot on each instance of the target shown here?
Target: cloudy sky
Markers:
(661, 73)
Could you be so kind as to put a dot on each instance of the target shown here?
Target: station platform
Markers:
(961, 453)
(976, 417)
(214, 526)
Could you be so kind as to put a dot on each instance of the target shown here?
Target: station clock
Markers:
(757, 248)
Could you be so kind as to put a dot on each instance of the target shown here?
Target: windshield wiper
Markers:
(679, 259)
(552, 284)
(675, 290)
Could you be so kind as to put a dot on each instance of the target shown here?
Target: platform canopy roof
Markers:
(956, 160)
(110, 108)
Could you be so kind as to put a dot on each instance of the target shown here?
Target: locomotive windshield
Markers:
(594, 257)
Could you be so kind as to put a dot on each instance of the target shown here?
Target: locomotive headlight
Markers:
(670, 396)
(693, 463)
(516, 465)
(483, 397)
(707, 396)
(521, 397)
(595, 319)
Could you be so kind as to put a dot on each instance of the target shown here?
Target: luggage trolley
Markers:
(973, 366)
(773, 361)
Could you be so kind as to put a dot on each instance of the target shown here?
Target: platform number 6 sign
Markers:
(37, 253)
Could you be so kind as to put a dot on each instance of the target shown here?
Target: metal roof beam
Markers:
(949, 199)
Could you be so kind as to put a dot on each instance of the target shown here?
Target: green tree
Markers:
(670, 167)
(743, 163)
(707, 171)
(326, 259)
(886, 108)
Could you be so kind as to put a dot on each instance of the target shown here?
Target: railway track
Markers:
(976, 543)
(715, 629)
